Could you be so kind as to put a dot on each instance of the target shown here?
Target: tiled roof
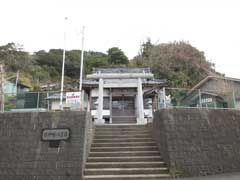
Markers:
(121, 70)
(144, 81)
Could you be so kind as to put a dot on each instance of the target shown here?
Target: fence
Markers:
(186, 98)
(38, 101)
(167, 98)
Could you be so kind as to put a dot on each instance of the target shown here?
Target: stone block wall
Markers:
(198, 142)
(23, 156)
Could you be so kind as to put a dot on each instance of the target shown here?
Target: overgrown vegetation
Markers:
(179, 62)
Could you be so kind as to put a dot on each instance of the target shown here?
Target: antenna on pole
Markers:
(81, 66)
(63, 66)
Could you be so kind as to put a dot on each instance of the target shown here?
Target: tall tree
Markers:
(13, 57)
(117, 56)
(51, 62)
(179, 62)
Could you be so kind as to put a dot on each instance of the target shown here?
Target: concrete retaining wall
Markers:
(197, 142)
(23, 156)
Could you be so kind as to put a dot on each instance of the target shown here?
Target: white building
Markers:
(122, 95)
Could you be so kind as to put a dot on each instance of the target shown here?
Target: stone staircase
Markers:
(124, 120)
(124, 152)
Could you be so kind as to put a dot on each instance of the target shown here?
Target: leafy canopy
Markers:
(179, 62)
(13, 57)
(116, 56)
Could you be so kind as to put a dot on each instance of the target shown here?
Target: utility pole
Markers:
(81, 64)
(16, 84)
(2, 81)
(81, 70)
(63, 66)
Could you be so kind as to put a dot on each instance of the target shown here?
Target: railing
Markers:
(38, 101)
(167, 98)
(185, 98)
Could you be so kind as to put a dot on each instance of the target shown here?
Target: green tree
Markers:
(94, 63)
(145, 49)
(179, 62)
(13, 57)
(117, 56)
(49, 64)
(144, 55)
(94, 59)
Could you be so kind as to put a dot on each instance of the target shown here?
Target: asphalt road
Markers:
(231, 176)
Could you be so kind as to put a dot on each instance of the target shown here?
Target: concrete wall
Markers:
(23, 156)
(55, 104)
(197, 142)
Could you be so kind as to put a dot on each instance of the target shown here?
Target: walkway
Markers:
(230, 176)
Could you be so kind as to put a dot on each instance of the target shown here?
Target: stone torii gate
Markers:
(135, 80)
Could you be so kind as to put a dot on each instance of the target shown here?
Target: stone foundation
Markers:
(23, 156)
(198, 142)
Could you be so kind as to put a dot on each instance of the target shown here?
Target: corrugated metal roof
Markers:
(202, 82)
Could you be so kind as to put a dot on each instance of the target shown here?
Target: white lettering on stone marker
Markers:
(55, 134)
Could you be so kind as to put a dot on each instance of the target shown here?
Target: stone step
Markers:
(141, 164)
(124, 153)
(120, 126)
(122, 130)
(124, 159)
(131, 148)
(124, 122)
(125, 171)
(122, 140)
(124, 117)
(123, 135)
(124, 144)
(128, 177)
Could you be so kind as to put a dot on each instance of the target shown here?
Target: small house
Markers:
(214, 92)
